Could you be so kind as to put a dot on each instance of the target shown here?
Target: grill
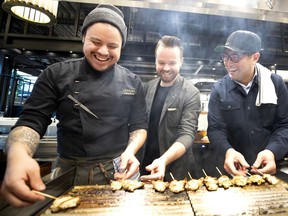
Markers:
(249, 200)
(101, 200)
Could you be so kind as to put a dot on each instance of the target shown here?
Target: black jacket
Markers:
(115, 96)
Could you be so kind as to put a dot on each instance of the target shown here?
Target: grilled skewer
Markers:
(132, 185)
(160, 185)
(224, 181)
(176, 186)
(240, 181)
(269, 178)
(193, 184)
(211, 183)
(62, 202)
(116, 185)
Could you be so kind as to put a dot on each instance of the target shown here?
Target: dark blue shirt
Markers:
(234, 121)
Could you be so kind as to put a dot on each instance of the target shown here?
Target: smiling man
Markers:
(173, 104)
(101, 110)
(247, 117)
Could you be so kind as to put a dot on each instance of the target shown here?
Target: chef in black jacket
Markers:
(101, 110)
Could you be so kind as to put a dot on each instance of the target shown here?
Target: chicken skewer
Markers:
(193, 184)
(269, 178)
(176, 186)
(211, 183)
(160, 185)
(62, 202)
(255, 179)
(224, 181)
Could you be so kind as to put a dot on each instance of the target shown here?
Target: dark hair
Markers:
(170, 41)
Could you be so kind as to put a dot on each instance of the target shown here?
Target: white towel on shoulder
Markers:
(266, 89)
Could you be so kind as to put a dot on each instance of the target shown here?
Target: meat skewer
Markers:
(240, 181)
(132, 185)
(62, 202)
(269, 178)
(224, 181)
(211, 183)
(176, 186)
(255, 179)
(116, 185)
(193, 184)
(160, 185)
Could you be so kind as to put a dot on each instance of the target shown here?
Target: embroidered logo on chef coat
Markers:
(128, 91)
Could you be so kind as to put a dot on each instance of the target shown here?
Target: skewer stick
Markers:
(219, 171)
(247, 173)
(190, 175)
(204, 172)
(44, 194)
(172, 176)
(260, 172)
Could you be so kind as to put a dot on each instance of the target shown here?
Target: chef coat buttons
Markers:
(248, 108)
(229, 107)
(252, 132)
(76, 81)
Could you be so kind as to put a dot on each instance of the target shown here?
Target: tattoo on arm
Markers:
(25, 136)
(135, 135)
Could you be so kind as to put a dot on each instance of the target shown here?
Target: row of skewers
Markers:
(211, 183)
(175, 186)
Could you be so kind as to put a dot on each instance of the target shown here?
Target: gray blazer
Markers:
(178, 122)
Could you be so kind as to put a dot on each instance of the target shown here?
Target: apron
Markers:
(90, 171)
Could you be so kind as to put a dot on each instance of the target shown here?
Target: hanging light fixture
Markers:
(42, 12)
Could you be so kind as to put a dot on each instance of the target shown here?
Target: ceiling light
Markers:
(36, 11)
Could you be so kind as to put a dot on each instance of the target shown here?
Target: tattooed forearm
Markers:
(136, 140)
(137, 134)
(25, 136)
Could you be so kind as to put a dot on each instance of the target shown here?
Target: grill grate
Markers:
(250, 200)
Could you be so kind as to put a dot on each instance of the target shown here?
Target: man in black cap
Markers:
(247, 117)
(101, 111)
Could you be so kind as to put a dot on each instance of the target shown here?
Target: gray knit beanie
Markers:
(109, 14)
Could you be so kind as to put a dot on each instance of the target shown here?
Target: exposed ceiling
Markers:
(202, 25)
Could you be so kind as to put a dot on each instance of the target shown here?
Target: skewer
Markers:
(219, 171)
(123, 171)
(260, 172)
(204, 172)
(247, 173)
(44, 194)
(172, 176)
(190, 175)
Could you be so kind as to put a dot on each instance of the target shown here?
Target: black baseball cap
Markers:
(241, 41)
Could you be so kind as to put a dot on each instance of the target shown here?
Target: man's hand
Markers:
(235, 163)
(265, 163)
(129, 165)
(157, 169)
(22, 175)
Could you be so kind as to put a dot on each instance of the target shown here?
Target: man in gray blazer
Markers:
(173, 105)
